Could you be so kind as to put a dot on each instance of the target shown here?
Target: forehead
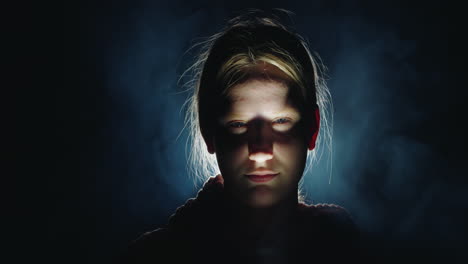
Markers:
(260, 96)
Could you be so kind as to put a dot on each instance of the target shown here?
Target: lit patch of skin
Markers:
(261, 129)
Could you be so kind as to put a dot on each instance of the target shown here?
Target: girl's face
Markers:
(260, 143)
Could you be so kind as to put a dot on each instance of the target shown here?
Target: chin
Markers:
(261, 197)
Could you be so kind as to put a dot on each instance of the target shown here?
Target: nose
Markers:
(260, 156)
(260, 143)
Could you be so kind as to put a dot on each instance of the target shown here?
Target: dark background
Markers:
(399, 159)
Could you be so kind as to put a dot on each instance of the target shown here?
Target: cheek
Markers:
(292, 155)
(231, 155)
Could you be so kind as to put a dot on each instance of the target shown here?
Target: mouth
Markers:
(261, 176)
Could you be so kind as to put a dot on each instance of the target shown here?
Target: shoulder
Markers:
(160, 235)
(329, 219)
(331, 229)
(330, 212)
(163, 244)
(149, 247)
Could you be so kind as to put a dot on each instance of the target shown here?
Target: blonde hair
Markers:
(225, 60)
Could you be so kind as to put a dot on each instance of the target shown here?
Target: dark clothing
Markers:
(200, 232)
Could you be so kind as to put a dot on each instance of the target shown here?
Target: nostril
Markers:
(260, 156)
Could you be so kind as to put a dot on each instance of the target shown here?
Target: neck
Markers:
(255, 223)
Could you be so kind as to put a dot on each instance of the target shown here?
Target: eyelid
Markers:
(234, 122)
(288, 119)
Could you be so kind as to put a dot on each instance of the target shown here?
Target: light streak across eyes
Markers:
(278, 124)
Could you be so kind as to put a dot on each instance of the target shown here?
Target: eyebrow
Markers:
(288, 111)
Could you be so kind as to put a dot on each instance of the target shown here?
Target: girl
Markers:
(255, 115)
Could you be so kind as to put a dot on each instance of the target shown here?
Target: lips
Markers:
(261, 175)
